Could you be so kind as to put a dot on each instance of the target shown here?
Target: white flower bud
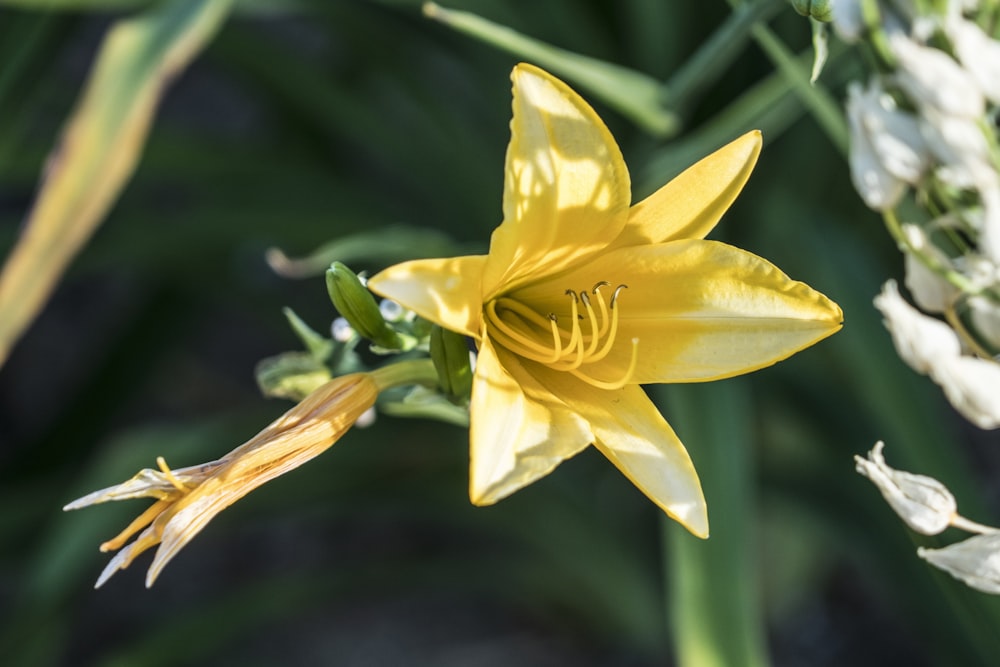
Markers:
(933, 79)
(976, 561)
(921, 341)
(972, 386)
(887, 148)
(922, 502)
(961, 147)
(931, 292)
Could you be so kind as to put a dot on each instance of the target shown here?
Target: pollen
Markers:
(569, 343)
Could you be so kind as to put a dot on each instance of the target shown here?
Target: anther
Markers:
(598, 286)
(614, 297)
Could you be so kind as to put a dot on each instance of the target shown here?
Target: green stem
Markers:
(822, 105)
(716, 54)
(713, 596)
(411, 371)
(895, 229)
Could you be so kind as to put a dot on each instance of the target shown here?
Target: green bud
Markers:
(815, 9)
(358, 307)
(451, 359)
(292, 375)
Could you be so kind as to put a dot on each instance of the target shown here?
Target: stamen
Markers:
(614, 297)
(613, 328)
(171, 477)
(603, 306)
(629, 373)
(556, 338)
(138, 524)
(529, 348)
(594, 335)
(576, 336)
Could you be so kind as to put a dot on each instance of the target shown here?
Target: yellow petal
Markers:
(701, 310)
(519, 432)
(689, 206)
(444, 291)
(631, 432)
(566, 189)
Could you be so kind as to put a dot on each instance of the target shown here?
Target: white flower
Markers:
(933, 79)
(922, 502)
(960, 146)
(920, 340)
(976, 561)
(979, 53)
(989, 231)
(972, 386)
(887, 148)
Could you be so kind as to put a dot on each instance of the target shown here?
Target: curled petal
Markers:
(567, 190)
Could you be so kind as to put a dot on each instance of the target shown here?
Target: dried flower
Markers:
(922, 502)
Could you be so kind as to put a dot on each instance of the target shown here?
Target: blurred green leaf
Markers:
(715, 606)
(99, 149)
(633, 94)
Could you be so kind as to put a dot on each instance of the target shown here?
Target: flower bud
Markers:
(887, 148)
(451, 359)
(922, 502)
(972, 386)
(921, 341)
(358, 307)
(820, 10)
(976, 561)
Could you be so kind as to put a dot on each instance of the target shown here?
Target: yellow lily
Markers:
(583, 297)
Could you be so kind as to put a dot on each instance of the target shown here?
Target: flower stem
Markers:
(716, 54)
(962, 523)
(412, 371)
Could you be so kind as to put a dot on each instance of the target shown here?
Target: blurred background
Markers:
(299, 124)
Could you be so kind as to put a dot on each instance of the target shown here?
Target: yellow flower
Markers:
(582, 298)
(188, 498)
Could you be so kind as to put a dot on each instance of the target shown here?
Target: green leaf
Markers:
(99, 149)
(631, 93)
(715, 607)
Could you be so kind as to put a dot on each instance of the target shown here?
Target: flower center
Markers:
(569, 343)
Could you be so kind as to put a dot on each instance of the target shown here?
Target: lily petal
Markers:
(701, 310)
(632, 434)
(444, 291)
(689, 206)
(567, 190)
(519, 431)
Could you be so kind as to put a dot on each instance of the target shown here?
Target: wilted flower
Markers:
(188, 498)
(922, 502)
(976, 561)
